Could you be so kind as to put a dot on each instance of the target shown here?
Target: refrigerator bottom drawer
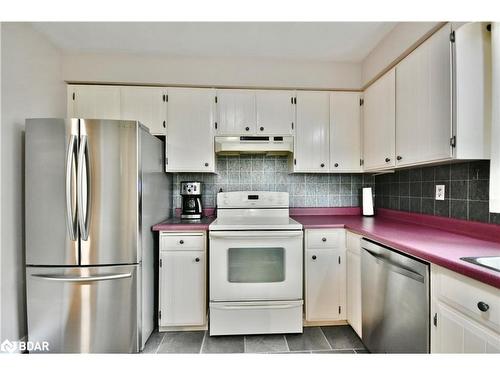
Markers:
(249, 318)
(83, 309)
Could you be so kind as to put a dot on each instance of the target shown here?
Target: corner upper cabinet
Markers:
(379, 120)
(236, 112)
(345, 132)
(94, 102)
(275, 112)
(424, 102)
(190, 130)
(145, 104)
(312, 151)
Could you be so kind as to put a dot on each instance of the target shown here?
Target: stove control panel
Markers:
(253, 199)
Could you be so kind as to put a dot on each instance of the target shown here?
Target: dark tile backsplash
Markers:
(413, 190)
(259, 172)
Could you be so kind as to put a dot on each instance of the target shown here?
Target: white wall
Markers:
(31, 86)
(128, 68)
(400, 40)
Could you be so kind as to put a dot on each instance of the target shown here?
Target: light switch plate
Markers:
(440, 192)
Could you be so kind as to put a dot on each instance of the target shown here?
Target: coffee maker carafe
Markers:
(191, 200)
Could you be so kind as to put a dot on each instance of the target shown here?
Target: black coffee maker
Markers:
(191, 200)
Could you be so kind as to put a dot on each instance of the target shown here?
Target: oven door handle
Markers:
(252, 307)
(245, 234)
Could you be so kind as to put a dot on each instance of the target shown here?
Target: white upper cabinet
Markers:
(311, 133)
(380, 123)
(275, 112)
(236, 112)
(94, 102)
(190, 130)
(345, 132)
(473, 72)
(423, 102)
(145, 104)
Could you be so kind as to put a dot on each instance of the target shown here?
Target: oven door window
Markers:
(256, 265)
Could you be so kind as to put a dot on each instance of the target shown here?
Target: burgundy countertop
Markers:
(437, 240)
(438, 246)
(175, 223)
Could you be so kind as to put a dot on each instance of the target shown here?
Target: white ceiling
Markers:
(318, 41)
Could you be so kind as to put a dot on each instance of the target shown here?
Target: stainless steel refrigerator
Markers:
(94, 188)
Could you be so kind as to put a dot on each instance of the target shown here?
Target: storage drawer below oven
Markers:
(249, 318)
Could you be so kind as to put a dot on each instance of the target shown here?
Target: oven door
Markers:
(255, 265)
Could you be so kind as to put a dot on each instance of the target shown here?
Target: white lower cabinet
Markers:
(325, 277)
(458, 322)
(353, 255)
(182, 286)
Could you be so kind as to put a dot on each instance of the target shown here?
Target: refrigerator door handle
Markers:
(70, 212)
(84, 213)
(84, 279)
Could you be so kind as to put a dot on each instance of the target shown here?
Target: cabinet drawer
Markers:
(353, 242)
(466, 295)
(325, 239)
(182, 241)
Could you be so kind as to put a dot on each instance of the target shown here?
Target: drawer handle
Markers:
(323, 239)
(314, 257)
(483, 306)
(261, 128)
(181, 242)
(196, 260)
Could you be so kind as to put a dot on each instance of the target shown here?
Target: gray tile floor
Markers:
(316, 340)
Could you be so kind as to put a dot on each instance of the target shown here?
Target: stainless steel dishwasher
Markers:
(394, 300)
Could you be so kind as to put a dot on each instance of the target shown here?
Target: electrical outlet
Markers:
(440, 192)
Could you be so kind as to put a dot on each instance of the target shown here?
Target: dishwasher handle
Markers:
(396, 267)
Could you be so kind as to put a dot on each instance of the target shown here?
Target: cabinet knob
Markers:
(247, 128)
(387, 160)
(314, 257)
(181, 242)
(261, 128)
(483, 306)
(336, 165)
(323, 239)
(322, 165)
(399, 157)
(196, 260)
(206, 164)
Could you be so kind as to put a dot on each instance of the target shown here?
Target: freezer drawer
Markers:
(83, 310)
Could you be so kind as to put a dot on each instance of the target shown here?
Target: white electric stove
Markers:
(255, 265)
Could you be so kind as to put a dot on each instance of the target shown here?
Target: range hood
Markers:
(271, 145)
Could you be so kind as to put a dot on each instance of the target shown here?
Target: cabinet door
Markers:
(94, 102)
(345, 132)
(311, 134)
(190, 130)
(456, 333)
(182, 288)
(275, 112)
(423, 102)
(354, 291)
(325, 285)
(145, 104)
(379, 123)
(236, 113)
